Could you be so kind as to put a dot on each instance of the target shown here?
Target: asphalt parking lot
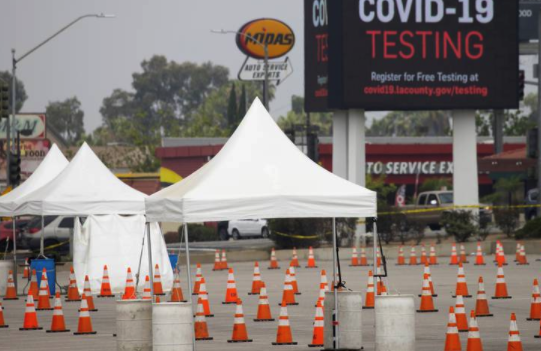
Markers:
(430, 327)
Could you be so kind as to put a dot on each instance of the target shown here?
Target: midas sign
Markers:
(276, 34)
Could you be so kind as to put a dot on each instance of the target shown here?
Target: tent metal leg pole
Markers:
(15, 256)
(188, 273)
(375, 263)
(149, 247)
(336, 324)
(42, 239)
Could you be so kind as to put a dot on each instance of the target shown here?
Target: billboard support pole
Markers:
(539, 117)
(357, 157)
(465, 176)
(498, 131)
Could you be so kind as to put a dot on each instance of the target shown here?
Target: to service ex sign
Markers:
(423, 54)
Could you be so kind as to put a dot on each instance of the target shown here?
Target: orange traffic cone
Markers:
(11, 292)
(517, 253)
(58, 324)
(158, 289)
(204, 296)
(474, 338)
(293, 279)
(198, 276)
(369, 299)
(85, 322)
(288, 296)
(294, 259)
(323, 287)
(454, 257)
(2, 321)
(147, 292)
(26, 272)
(481, 305)
(129, 289)
(201, 329)
(427, 271)
(273, 261)
(460, 314)
(401, 260)
(43, 297)
(433, 258)
(176, 291)
(283, 335)
(423, 254)
(240, 334)
(30, 315)
(263, 308)
(452, 339)
(256, 282)
(311, 259)
(501, 286)
(231, 295)
(522, 259)
(514, 343)
(73, 291)
(463, 256)
(382, 289)
(535, 308)
(413, 257)
(538, 336)
(500, 255)
(87, 293)
(461, 285)
(34, 289)
(224, 261)
(354, 257)
(217, 261)
(378, 257)
(105, 290)
(479, 259)
(363, 261)
(427, 303)
(319, 322)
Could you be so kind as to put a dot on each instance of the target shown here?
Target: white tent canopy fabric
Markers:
(85, 187)
(53, 163)
(260, 173)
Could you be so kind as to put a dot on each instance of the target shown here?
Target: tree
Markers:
(297, 116)
(435, 184)
(242, 102)
(232, 110)
(67, 118)
(411, 123)
(21, 96)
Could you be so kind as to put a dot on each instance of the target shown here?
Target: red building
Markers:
(401, 159)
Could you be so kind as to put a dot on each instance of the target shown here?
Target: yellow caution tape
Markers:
(297, 236)
(439, 209)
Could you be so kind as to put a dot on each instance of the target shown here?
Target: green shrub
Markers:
(507, 219)
(198, 233)
(459, 224)
(298, 232)
(531, 229)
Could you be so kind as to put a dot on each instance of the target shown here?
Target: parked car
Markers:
(58, 229)
(6, 231)
(437, 200)
(242, 228)
(531, 199)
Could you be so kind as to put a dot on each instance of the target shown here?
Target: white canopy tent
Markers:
(53, 163)
(86, 187)
(260, 173)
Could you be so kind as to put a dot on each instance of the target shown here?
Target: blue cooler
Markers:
(49, 265)
(174, 259)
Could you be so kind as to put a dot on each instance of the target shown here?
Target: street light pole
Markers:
(14, 63)
(265, 60)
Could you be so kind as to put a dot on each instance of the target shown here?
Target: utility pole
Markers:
(539, 117)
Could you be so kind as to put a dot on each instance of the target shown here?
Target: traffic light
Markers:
(532, 144)
(312, 141)
(14, 169)
(4, 100)
(521, 84)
